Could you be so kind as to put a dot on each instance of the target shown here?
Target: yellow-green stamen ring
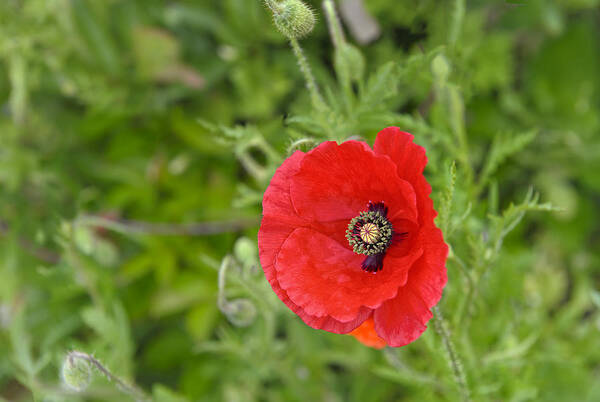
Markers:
(369, 233)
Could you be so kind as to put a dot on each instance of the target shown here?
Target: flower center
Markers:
(370, 233)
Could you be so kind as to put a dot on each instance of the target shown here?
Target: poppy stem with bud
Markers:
(77, 375)
(311, 83)
(295, 20)
(348, 61)
(453, 359)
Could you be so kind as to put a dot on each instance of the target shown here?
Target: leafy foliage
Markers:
(137, 138)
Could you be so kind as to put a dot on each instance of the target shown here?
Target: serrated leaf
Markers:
(381, 85)
(503, 147)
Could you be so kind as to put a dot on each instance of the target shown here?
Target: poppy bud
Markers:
(240, 312)
(76, 373)
(440, 68)
(245, 251)
(293, 18)
(349, 61)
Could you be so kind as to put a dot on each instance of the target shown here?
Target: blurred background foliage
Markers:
(117, 114)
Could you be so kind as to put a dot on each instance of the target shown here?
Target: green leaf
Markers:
(381, 85)
(164, 394)
(504, 146)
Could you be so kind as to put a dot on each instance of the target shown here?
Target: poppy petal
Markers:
(366, 334)
(308, 261)
(325, 278)
(402, 320)
(277, 200)
(325, 323)
(410, 160)
(409, 157)
(279, 221)
(336, 182)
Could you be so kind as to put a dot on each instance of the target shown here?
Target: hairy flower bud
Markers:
(240, 312)
(76, 373)
(246, 252)
(293, 18)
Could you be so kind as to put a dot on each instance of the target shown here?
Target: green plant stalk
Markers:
(467, 300)
(311, 83)
(335, 28)
(457, 115)
(18, 92)
(296, 145)
(339, 42)
(453, 358)
(221, 299)
(89, 282)
(134, 227)
(458, 16)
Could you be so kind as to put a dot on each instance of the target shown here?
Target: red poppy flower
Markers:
(348, 238)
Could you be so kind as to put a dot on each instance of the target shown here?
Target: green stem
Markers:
(335, 28)
(457, 20)
(296, 145)
(339, 42)
(456, 108)
(467, 300)
(132, 227)
(453, 359)
(18, 90)
(311, 83)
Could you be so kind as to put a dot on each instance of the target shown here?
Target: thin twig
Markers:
(453, 359)
(126, 226)
(41, 253)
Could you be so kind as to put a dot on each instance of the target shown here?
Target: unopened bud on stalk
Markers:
(440, 68)
(76, 373)
(293, 18)
(240, 312)
(349, 61)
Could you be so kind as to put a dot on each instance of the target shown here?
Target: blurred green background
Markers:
(116, 114)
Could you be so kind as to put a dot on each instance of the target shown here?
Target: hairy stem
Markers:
(311, 83)
(466, 301)
(128, 389)
(453, 359)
